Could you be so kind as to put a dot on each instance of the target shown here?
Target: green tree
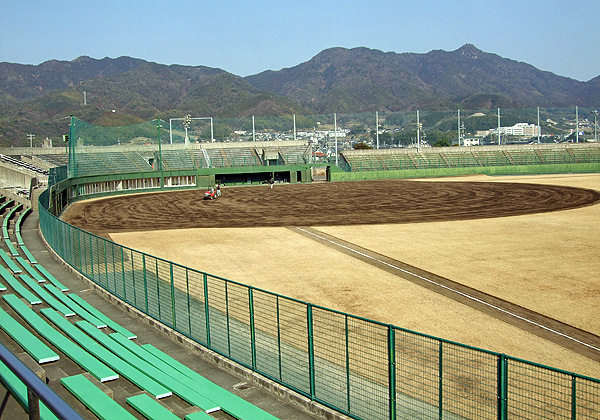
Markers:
(441, 143)
(361, 146)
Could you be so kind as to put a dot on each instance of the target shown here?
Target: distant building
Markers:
(519, 129)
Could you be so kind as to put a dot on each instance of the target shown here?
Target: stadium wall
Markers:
(485, 170)
(358, 367)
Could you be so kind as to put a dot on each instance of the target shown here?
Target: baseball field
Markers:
(508, 264)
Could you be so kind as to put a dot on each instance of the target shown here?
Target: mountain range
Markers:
(37, 98)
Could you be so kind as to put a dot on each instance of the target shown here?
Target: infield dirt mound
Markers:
(342, 203)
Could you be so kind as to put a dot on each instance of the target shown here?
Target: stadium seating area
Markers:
(431, 158)
(181, 159)
(65, 325)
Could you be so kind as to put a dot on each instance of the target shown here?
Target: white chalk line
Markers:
(453, 290)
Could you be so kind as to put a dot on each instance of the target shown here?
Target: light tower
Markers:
(187, 120)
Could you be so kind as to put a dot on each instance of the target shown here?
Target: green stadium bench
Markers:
(96, 313)
(70, 303)
(160, 365)
(28, 254)
(19, 390)
(30, 270)
(9, 262)
(230, 403)
(18, 225)
(6, 204)
(139, 378)
(95, 399)
(46, 297)
(74, 352)
(150, 408)
(13, 251)
(51, 278)
(2, 288)
(19, 288)
(6, 220)
(181, 390)
(36, 348)
(198, 415)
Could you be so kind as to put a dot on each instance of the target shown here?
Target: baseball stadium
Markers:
(400, 283)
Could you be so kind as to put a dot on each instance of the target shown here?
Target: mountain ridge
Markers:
(126, 90)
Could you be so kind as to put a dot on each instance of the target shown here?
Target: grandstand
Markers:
(465, 157)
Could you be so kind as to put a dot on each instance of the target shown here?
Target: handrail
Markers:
(37, 388)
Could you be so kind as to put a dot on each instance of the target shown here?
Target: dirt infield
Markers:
(343, 203)
(459, 230)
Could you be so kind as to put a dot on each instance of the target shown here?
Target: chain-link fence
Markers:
(360, 367)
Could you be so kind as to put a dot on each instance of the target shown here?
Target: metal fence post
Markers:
(392, 370)
(441, 381)
(206, 310)
(252, 332)
(173, 297)
(502, 387)
(311, 350)
(573, 398)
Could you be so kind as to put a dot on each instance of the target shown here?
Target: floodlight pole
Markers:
(499, 135)
(294, 127)
(159, 147)
(377, 127)
(459, 127)
(212, 134)
(539, 127)
(577, 122)
(335, 134)
(253, 130)
(595, 112)
(418, 133)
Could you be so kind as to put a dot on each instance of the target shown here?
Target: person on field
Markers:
(218, 190)
(271, 181)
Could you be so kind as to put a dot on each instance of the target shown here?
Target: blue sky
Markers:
(247, 37)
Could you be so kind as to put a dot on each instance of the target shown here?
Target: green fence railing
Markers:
(363, 368)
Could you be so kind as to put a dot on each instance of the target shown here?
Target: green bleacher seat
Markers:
(51, 278)
(137, 377)
(36, 348)
(95, 399)
(74, 352)
(150, 408)
(229, 402)
(28, 254)
(198, 415)
(46, 297)
(9, 262)
(30, 270)
(71, 304)
(181, 390)
(19, 288)
(103, 318)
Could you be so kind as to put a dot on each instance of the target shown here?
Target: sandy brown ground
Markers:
(547, 262)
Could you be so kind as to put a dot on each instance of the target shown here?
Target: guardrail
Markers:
(37, 390)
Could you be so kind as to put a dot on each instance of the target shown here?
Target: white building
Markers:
(519, 129)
